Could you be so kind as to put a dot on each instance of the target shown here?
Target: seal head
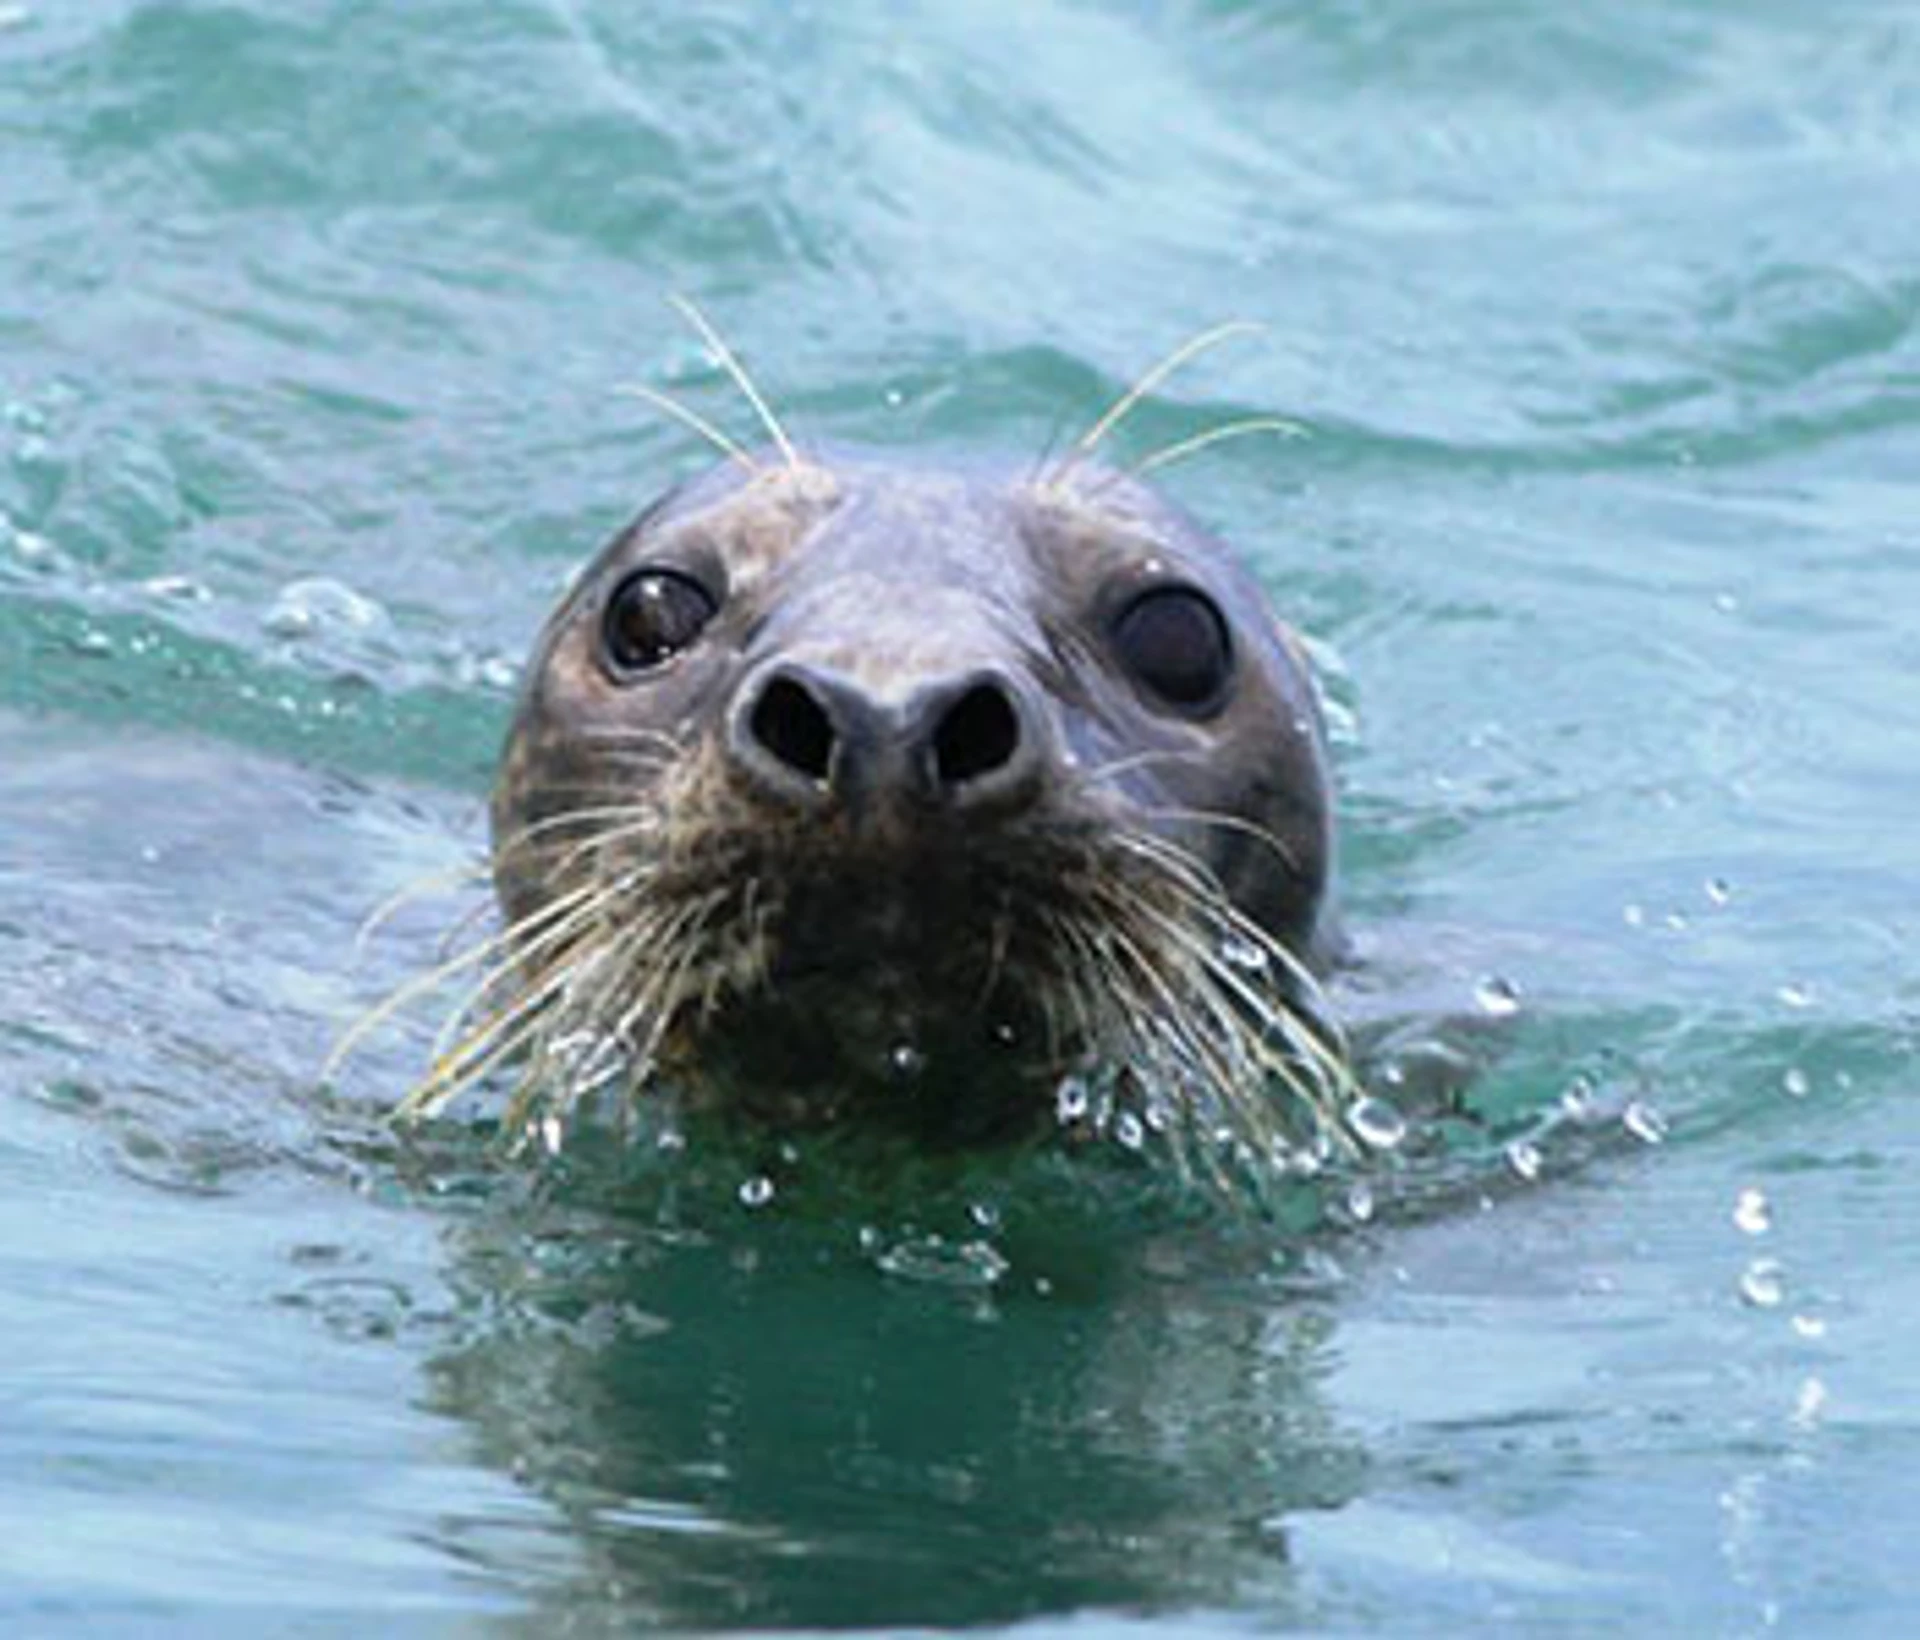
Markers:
(844, 790)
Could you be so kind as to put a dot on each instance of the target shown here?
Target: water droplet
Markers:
(1003, 1033)
(1725, 602)
(1796, 1082)
(757, 1191)
(893, 398)
(1129, 1130)
(30, 548)
(1634, 916)
(553, 1134)
(1497, 998)
(1795, 995)
(1070, 1100)
(670, 1142)
(869, 1238)
(603, 1061)
(1752, 1213)
(1523, 1156)
(1577, 1098)
(1644, 1122)
(1242, 952)
(1360, 1200)
(178, 589)
(1718, 890)
(1762, 1285)
(1809, 1326)
(985, 1215)
(319, 604)
(905, 1062)
(1376, 1122)
(934, 1260)
(1159, 1115)
(1042, 1287)
(1810, 1402)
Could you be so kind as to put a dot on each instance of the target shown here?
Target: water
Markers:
(1601, 329)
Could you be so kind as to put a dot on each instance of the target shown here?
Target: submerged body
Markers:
(846, 790)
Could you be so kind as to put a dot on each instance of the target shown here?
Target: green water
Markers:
(1603, 328)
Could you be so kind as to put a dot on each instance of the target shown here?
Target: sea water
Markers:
(1598, 328)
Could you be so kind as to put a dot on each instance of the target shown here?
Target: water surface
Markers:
(1602, 334)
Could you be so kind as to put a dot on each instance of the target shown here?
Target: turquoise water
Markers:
(1603, 328)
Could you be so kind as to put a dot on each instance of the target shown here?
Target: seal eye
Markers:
(653, 615)
(1174, 640)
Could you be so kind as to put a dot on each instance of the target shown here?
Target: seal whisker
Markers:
(1103, 773)
(669, 744)
(690, 418)
(1174, 1005)
(553, 1039)
(507, 954)
(664, 983)
(1122, 407)
(429, 886)
(1278, 426)
(560, 853)
(999, 941)
(555, 918)
(533, 830)
(561, 913)
(463, 1064)
(570, 997)
(585, 985)
(535, 959)
(1073, 937)
(1329, 1067)
(730, 363)
(1271, 1009)
(1044, 459)
(1107, 772)
(449, 942)
(1328, 1084)
(1172, 862)
(1212, 899)
(571, 836)
(1229, 822)
(1123, 1025)
(641, 760)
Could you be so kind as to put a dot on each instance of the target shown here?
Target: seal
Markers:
(844, 789)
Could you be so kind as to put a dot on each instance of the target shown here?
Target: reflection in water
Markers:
(762, 1428)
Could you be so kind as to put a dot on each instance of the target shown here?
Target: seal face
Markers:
(846, 790)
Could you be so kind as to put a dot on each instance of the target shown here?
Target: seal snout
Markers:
(968, 743)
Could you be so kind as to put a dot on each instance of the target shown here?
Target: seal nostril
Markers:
(794, 727)
(979, 734)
